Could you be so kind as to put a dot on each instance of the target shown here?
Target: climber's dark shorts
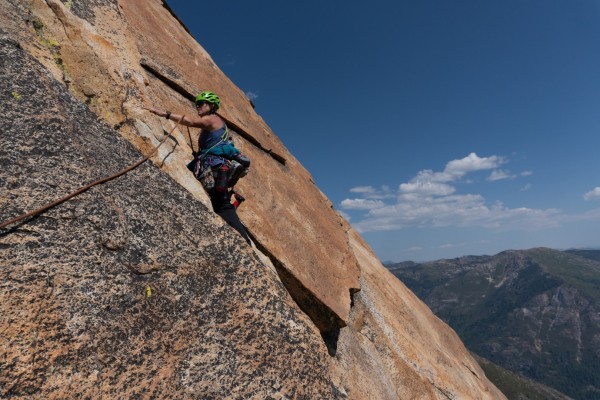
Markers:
(221, 203)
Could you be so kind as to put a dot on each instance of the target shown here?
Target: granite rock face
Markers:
(395, 348)
(118, 57)
(135, 289)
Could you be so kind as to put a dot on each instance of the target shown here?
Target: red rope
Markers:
(88, 186)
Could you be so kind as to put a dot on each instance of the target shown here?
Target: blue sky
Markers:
(438, 128)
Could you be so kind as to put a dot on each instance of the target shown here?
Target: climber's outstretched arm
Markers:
(197, 121)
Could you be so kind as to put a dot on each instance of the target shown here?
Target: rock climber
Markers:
(218, 163)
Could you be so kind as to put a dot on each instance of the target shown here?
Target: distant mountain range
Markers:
(535, 312)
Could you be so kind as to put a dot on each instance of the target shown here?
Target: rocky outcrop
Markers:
(115, 58)
(135, 289)
(395, 348)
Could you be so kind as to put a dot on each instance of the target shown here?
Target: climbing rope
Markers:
(90, 185)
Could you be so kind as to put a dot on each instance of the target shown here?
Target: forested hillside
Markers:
(535, 312)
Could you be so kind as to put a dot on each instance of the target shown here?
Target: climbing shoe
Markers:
(237, 199)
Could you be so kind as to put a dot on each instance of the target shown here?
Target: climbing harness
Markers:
(88, 186)
(204, 174)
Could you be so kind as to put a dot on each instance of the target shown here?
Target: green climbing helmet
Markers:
(209, 97)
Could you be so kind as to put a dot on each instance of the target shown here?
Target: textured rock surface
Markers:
(395, 348)
(105, 60)
(136, 287)
(281, 196)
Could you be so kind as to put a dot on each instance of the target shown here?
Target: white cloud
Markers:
(499, 174)
(590, 215)
(526, 173)
(427, 188)
(593, 194)
(370, 192)
(472, 163)
(361, 204)
(462, 211)
(526, 187)
(430, 200)
(428, 182)
(363, 189)
(252, 95)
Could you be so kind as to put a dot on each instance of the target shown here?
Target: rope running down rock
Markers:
(90, 185)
